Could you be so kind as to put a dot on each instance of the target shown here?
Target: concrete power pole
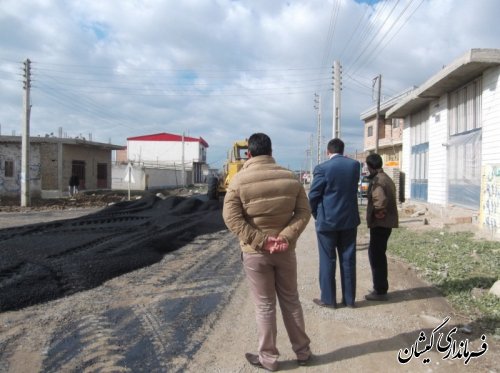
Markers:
(377, 118)
(183, 163)
(317, 106)
(311, 159)
(25, 143)
(336, 99)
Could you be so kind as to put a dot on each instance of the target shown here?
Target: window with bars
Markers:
(465, 108)
(9, 168)
(464, 144)
(419, 139)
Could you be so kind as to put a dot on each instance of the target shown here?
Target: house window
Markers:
(419, 135)
(9, 168)
(465, 108)
(464, 145)
(395, 123)
(370, 131)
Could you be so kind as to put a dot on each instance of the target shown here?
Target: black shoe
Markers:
(350, 305)
(320, 303)
(375, 296)
(305, 362)
(254, 360)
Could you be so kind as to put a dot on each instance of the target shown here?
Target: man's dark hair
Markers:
(335, 146)
(374, 161)
(259, 144)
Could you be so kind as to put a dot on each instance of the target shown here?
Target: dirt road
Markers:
(191, 312)
(148, 320)
(365, 339)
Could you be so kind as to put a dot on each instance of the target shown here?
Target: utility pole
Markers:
(25, 143)
(311, 159)
(377, 118)
(336, 99)
(317, 106)
(60, 181)
(183, 164)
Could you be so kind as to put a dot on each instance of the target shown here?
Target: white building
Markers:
(166, 148)
(161, 160)
(451, 136)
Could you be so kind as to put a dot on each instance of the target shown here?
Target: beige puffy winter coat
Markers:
(264, 199)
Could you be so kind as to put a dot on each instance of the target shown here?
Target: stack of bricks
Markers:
(395, 174)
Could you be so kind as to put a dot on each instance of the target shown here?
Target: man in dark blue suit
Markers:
(334, 203)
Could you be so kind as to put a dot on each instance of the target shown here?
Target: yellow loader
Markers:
(217, 185)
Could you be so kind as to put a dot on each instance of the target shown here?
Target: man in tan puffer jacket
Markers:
(267, 208)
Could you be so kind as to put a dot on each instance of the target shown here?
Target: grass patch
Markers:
(460, 266)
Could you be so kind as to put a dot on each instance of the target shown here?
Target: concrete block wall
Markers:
(11, 186)
(395, 174)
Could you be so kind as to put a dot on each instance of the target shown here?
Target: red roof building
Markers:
(167, 151)
(168, 137)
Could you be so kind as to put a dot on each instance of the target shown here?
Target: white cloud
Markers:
(224, 69)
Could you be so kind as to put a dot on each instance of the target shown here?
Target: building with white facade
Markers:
(161, 160)
(451, 136)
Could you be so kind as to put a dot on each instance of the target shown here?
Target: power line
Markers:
(399, 29)
(368, 26)
(351, 66)
(331, 32)
(391, 28)
(359, 83)
(364, 93)
(346, 44)
(72, 89)
(164, 87)
(88, 109)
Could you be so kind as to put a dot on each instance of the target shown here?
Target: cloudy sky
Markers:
(223, 69)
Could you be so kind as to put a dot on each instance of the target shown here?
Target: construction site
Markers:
(155, 284)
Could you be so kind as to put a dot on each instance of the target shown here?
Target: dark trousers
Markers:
(344, 243)
(378, 260)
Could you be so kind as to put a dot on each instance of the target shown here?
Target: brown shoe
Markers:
(255, 361)
(376, 297)
(320, 303)
(305, 362)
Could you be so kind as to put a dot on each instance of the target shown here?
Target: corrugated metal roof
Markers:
(167, 137)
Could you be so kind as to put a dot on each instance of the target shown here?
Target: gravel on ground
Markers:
(189, 310)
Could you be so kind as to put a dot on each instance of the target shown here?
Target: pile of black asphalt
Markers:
(46, 261)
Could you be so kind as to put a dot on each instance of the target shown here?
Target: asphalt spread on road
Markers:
(46, 261)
